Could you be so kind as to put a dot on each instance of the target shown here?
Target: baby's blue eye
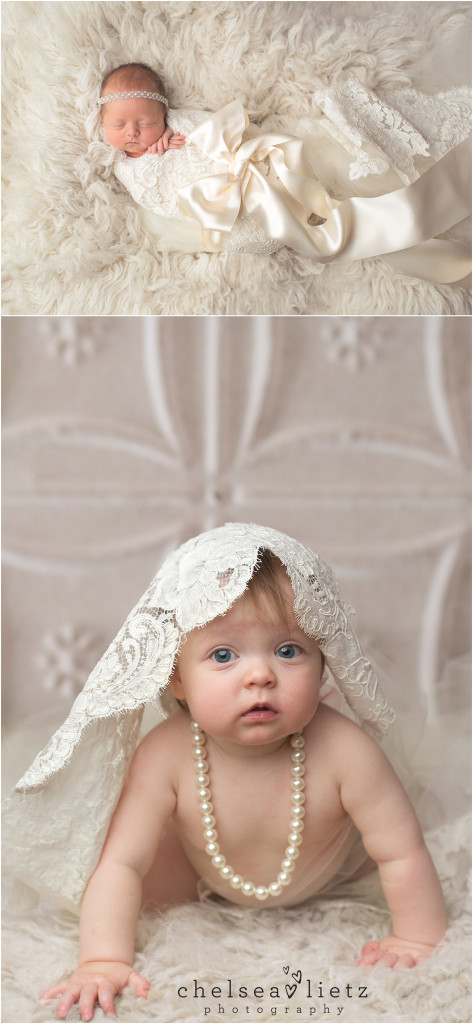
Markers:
(288, 651)
(223, 656)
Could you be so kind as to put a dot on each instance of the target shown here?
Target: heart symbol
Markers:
(297, 977)
(286, 970)
(290, 989)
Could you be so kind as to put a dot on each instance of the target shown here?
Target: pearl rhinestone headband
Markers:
(133, 95)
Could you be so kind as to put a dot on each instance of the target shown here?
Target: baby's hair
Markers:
(266, 583)
(136, 74)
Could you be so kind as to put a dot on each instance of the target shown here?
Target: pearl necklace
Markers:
(208, 819)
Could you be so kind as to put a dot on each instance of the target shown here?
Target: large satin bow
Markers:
(400, 226)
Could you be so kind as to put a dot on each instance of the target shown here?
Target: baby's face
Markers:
(133, 124)
(249, 678)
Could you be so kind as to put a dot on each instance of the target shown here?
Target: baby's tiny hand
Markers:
(96, 982)
(167, 141)
(395, 953)
(177, 140)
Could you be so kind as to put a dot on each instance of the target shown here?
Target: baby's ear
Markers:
(175, 684)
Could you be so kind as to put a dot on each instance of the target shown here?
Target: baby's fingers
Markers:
(87, 1001)
(404, 961)
(369, 958)
(369, 947)
(70, 996)
(51, 993)
(140, 984)
(105, 994)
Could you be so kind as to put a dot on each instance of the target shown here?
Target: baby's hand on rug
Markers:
(395, 953)
(96, 982)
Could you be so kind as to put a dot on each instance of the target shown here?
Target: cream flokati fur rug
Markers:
(221, 963)
(74, 240)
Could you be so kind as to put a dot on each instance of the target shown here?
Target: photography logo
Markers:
(294, 998)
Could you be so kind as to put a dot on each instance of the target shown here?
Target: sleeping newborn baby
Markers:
(138, 123)
(134, 112)
(211, 182)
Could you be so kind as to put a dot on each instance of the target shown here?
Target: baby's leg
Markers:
(172, 879)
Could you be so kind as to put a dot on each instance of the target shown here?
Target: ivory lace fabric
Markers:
(254, 191)
(57, 817)
(155, 181)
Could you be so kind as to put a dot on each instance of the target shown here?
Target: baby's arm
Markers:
(374, 798)
(112, 899)
(169, 140)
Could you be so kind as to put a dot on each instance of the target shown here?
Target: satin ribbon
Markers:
(400, 226)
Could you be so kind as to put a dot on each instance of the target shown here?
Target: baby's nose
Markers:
(259, 672)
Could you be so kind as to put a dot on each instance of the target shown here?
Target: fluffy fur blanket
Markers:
(74, 240)
(301, 962)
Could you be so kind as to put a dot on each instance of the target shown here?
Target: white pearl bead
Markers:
(261, 892)
(284, 878)
(209, 824)
(212, 849)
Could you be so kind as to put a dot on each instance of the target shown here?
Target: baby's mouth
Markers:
(260, 713)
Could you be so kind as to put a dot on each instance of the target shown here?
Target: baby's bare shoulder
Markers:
(166, 742)
(339, 740)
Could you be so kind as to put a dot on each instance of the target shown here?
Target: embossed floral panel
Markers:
(124, 436)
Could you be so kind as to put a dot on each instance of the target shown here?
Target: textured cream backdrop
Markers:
(124, 436)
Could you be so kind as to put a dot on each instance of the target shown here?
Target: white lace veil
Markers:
(58, 815)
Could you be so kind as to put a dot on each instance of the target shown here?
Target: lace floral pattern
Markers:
(197, 583)
(154, 183)
(247, 236)
(391, 134)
